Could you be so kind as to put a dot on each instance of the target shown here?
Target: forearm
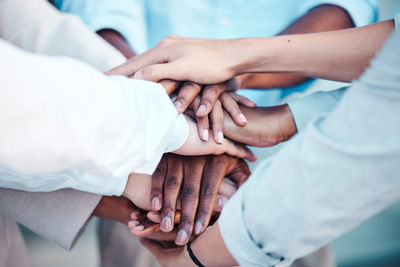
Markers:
(339, 55)
(210, 249)
(355, 159)
(319, 19)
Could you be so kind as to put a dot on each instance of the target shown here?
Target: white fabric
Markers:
(64, 116)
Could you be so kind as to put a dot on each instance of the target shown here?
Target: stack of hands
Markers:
(187, 192)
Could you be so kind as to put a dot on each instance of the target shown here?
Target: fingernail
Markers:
(221, 202)
(242, 118)
(155, 204)
(201, 110)
(178, 104)
(133, 223)
(139, 75)
(220, 137)
(181, 237)
(135, 215)
(139, 228)
(198, 227)
(205, 135)
(166, 223)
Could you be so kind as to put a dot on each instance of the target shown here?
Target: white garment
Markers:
(59, 114)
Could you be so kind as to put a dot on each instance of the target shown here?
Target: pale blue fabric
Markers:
(149, 21)
(341, 170)
(145, 22)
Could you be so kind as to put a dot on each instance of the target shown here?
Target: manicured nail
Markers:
(198, 227)
(139, 75)
(135, 215)
(139, 228)
(220, 138)
(205, 135)
(201, 110)
(166, 223)
(155, 204)
(178, 104)
(242, 118)
(181, 237)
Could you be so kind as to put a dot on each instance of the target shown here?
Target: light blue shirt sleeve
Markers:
(343, 169)
(305, 108)
(128, 17)
(362, 12)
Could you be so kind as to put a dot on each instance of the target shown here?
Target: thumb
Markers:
(158, 72)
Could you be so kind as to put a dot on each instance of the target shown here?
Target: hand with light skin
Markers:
(208, 109)
(340, 55)
(201, 178)
(194, 146)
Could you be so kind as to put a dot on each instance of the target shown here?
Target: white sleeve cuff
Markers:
(178, 135)
(237, 238)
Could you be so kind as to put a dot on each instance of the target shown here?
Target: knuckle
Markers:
(155, 192)
(208, 189)
(219, 161)
(148, 72)
(168, 209)
(172, 182)
(189, 193)
(190, 86)
(203, 212)
(186, 220)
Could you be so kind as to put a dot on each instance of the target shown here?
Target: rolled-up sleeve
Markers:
(343, 169)
(306, 108)
(362, 12)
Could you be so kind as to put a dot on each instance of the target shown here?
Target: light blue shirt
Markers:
(146, 22)
(341, 170)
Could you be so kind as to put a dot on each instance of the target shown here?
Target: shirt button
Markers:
(224, 22)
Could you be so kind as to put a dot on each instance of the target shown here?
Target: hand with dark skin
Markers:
(115, 208)
(267, 126)
(118, 41)
(198, 180)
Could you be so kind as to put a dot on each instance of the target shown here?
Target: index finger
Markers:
(213, 175)
(131, 66)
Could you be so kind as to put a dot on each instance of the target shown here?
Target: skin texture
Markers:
(308, 55)
(190, 184)
(338, 55)
(115, 208)
(187, 92)
(319, 19)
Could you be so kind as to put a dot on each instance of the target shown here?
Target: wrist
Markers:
(185, 259)
(259, 55)
(137, 190)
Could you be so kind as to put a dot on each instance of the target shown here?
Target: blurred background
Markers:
(374, 243)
